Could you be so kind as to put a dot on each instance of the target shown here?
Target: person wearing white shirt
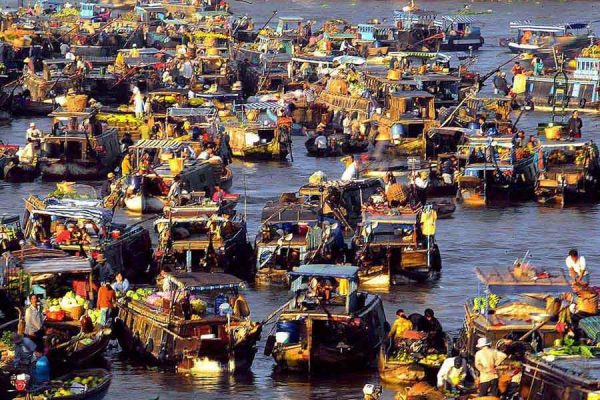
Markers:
(33, 132)
(452, 373)
(70, 56)
(321, 143)
(352, 171)
(577, 268)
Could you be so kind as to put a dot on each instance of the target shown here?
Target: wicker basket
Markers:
(76, 103)
(74, 312)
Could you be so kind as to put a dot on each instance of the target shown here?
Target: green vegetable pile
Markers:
(571, 348)
(7, 339)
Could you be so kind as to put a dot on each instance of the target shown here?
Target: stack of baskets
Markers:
(76, 102)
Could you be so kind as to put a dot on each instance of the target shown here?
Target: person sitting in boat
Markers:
(433, 328)
(400, 325)
(121, 284)
(325, 289)
(126, 142)
(84, 237)
(421, 182)
(40, 373)
(108, 186)
(448, 169)
(321, 143)
(24, 348)
(219, 194)
(29, 153)
(174, 195)
(62, 235)
(577, 267)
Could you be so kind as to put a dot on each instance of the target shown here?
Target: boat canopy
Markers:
(502, 281)
(326, 271)
(528, 26)
(290, 213)
(66, 209)
(403, 219)
(457, 19)
(206, 282)
(191, 112)
(260, 105)
(166, 144)
(46, 261)
(552, 145)
(8, 219)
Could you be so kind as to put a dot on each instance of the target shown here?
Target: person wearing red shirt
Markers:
(107, 299)
(63, 236)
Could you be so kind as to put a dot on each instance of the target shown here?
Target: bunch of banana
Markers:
(433, 360)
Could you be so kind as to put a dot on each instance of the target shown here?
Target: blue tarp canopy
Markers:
(326, 271)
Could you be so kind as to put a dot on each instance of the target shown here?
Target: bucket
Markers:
(292, 328)
(176, 165)
(116, 234)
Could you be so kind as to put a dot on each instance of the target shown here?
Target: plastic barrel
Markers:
(397, 131)
(291, 327)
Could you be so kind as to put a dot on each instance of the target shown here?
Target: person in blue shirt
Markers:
(41, 367)
(121, 284)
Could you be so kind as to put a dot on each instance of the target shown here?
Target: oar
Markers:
(274, 313)
(542, 323)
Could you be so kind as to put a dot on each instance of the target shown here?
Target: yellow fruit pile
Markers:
(433, 360)
(120, 119)
(66, 13)
(74, 386)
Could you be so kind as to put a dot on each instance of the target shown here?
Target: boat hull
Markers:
(142, 204)
(70, 171)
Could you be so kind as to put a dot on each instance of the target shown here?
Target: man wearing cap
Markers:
(33, 132)
(24, 348)
(107, 186)
(486, 362)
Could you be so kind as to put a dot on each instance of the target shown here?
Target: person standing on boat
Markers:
(577, 267)
(452, 373)
(400, 325)
(33, 132)
(487, 361)
(538, 65)
(105, 270)
(34, 321)
(107, 299)
(175, 190)
(574, 125)
(432, 326)
(500, 84)
(352, 171)
(126, 168)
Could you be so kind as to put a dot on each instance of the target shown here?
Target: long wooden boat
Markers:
(389, 245)
(126, 248)
(570, 174)
(97, 390)
(210, 340)
(328, 333)
(204, 237)
(511, 302)
(14, 171)
(340, 145)
(74, 348)
(74, 154)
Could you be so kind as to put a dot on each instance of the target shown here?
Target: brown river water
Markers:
(472, 238)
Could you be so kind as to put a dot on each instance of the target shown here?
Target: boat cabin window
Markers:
(52, 149)
(74, 150)
(313, 291)
(266, 135)
(409, 131)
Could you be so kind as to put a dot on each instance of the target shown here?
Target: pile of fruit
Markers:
(66, 13)
(139, 294)
(433, 360)
(120, 120)
(68, 301)
(94, 316)
(196, 102)
(402, 357)
(74, 386)
(483, 303)
(164, 99)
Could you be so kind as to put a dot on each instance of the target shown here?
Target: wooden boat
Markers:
(492, 174)
(101, 377)
(570, 174)
(126, 248)
(540, 39)
(209, 339)
(267, 140)
(389, 244)
(510, 303)
(72, 154)
(342, 331)
(460, 34)
(72, 348)
(7, 153)
(581, 82)
(148, 193)
(10, 233)
(340, 145)
(291, 235)
(204, 237)
(14, 171)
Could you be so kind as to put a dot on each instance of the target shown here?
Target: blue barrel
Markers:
(220, 299)
(291, 327)
(397, 130)
(474, 125)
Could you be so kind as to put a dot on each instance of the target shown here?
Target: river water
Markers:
(472, 238)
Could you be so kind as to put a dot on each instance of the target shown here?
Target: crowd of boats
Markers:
(157, 99)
